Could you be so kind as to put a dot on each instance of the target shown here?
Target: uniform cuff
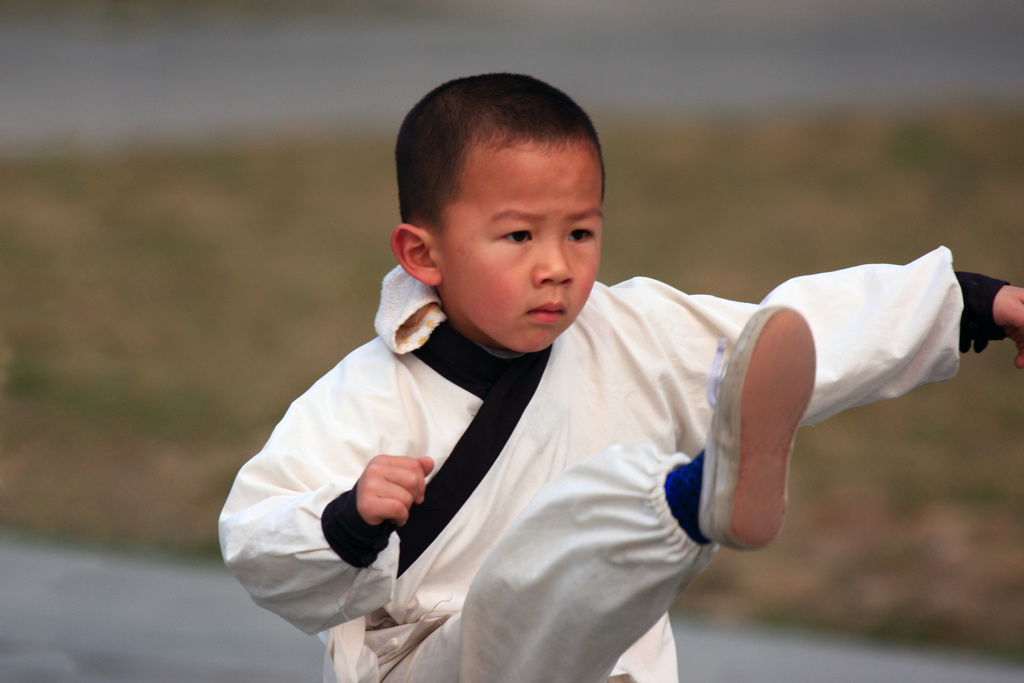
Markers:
(976, 324)
(348, 534)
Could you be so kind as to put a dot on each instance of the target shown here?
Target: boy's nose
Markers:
(553, 268)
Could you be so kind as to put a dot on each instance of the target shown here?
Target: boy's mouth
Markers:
(548, 313)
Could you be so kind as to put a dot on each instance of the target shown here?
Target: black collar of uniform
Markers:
(462, 362)
(506, 387)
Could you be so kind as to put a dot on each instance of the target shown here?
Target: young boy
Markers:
(516, 479)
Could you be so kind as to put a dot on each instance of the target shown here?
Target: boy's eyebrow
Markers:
(596, 212)
(516, 214)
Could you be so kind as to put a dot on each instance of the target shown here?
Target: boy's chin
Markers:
(518, 341)
(532, 345)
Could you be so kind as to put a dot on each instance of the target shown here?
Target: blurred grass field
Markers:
(161, 308)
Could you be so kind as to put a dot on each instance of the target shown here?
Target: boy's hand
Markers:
(1008, 313)
(389, 486)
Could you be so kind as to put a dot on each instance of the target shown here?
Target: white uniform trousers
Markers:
(590, 565)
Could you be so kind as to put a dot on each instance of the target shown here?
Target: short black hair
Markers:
(499, 109)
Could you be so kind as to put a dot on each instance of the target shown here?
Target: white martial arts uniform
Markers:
(582, 582)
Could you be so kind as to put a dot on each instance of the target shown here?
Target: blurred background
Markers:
(196, 198)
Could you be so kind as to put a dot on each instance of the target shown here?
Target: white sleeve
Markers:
(879, 330)
(270, 528)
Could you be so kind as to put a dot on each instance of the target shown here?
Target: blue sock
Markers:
(682, 490)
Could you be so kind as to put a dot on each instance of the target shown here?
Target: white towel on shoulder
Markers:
(409, 311)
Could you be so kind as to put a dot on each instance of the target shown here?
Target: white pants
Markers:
(589, 567)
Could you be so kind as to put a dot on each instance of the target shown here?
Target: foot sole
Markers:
(775, 396)
(763, 398)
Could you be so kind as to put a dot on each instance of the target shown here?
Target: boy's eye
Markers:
(518, 236)
(579, 235)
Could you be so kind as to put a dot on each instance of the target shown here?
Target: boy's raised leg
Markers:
(589, 567)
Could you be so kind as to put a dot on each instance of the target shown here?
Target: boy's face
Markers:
(521, 243)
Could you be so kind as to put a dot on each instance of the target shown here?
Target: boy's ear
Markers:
(413, 247)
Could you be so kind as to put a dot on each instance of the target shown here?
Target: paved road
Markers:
(86, 80)
(72, 614)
